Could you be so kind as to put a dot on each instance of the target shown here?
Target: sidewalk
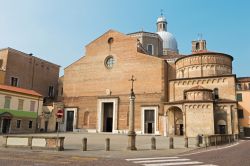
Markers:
(118, 144)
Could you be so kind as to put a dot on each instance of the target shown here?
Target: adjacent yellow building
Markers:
(19, 109)
(243, 98)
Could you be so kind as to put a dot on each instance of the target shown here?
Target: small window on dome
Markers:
(216, 93)
(150, 49)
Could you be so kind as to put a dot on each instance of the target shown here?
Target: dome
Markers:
(161, 19)
(169, 41)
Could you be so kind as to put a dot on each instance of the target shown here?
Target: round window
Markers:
(109, 62)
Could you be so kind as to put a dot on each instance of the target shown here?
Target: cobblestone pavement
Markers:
(234, 155)
(96, 156)
(37, 158)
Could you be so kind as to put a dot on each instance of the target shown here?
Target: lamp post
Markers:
(131, 132)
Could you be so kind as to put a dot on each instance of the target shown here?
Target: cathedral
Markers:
(175, 94)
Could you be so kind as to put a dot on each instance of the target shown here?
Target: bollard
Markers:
(204, 142)
(84, 144)
(171, 143)
(198, 141)
(107, 144)
(186, 142)
(208, 141)
(215, 141)
(229, 139)
(153, 143)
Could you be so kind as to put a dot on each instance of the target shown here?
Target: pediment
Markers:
(6, 115)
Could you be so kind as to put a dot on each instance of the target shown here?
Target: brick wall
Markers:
(32, 72)
(88, 78)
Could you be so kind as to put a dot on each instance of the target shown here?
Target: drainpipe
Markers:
(38, 105)
(33, 73)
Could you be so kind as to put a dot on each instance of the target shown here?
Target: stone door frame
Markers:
(75, 110)
(100, 113)
(156, 110)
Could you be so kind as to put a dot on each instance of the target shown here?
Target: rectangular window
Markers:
(30, 124)
(248, 86)
(14, 81)
(18, 124)
(32, 106)
(51, 91)
(20, 104)
(239, 96)
(150, 49)
(240, 114)
(7, 102)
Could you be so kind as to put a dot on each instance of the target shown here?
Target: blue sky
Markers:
(58, 30)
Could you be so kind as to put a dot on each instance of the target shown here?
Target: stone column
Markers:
(229, 120)
(165, 123)
(131, 132)
(184, 123)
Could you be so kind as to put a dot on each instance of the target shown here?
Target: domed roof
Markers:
(161, 19)
(169, 41)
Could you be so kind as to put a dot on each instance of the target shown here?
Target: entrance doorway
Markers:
(175, 125)
(222, 129)
(149, 121)
(6, 126)
(70, 121)
(108, 117)
(179, 127)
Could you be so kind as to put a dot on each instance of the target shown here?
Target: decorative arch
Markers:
(175, 121)
(86, 118)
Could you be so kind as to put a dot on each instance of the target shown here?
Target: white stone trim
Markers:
(156, 110)
(100, 103)
(152, 48)
(74, 121)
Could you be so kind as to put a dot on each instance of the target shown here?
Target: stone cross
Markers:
(131, 132)
(132, 86)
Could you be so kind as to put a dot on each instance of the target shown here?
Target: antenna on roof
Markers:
(161, 12)
(199, 36)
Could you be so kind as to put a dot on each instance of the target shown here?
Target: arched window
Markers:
(185, 95)
(197, 46)
(216, 93)
(86, 118)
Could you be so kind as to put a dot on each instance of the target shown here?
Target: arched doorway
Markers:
(221, 127)
(175, 121)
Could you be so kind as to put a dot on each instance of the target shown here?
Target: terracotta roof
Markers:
(201, 101)
(243, 79)
(19, 90)
(205, 53)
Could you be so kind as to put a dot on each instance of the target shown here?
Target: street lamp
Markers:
(131, 132)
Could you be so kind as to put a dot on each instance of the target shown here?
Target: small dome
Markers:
(161, 19)
(169, 41)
